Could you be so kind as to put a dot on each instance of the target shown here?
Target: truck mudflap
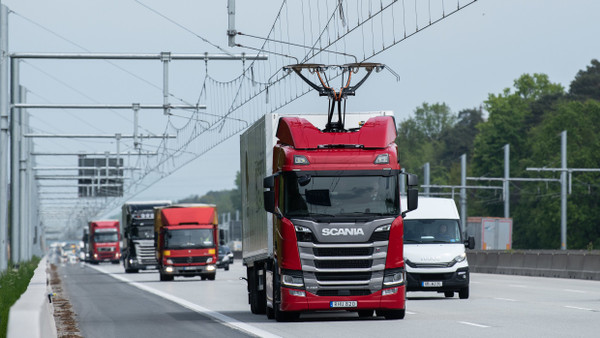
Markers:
(395, 300)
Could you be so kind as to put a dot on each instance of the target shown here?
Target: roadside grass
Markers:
(13, 283)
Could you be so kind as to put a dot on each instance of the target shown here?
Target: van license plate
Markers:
(350, 303)
(431, 284)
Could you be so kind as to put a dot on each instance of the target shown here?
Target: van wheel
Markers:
(463, 293)
(449, 294)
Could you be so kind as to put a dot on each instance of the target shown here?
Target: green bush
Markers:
(13, 283)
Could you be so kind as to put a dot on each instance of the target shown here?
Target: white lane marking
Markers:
(411, 313)
(231, 322)
(473, 324)
(576, 291)
(506, 299)
(579, 308)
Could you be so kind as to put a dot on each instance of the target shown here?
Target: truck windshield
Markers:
(189, 239)
(424, 231)
(142, 232)
(105, 237)
(307, 195)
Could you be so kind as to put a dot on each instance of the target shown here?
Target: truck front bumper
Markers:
(393, 300)
(450, 281)
(190, 270)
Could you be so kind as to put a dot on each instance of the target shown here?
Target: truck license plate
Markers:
(189, 268)
(150, 267)
(432, 284)
(349, 303)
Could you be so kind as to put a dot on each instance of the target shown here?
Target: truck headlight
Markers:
(386, 227)
(211, 268)
(293, 281)
(393, 277)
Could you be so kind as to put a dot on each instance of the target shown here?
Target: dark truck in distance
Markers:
(138, 235)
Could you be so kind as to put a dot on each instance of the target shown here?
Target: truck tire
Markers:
(211, 276)
(258, 304)
(392, 314)
(365, 313)
(463, 293)
(166, 278)
(227, 267)
(449, 294)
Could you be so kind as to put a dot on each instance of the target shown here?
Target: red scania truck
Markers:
(186, 240)
(321, 217)
(104, 241)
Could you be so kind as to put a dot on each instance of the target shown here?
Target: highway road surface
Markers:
(110, 303)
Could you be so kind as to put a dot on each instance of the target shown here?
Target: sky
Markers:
(461, 60)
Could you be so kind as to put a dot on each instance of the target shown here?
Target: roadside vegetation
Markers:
(529, 117)
(13, 283)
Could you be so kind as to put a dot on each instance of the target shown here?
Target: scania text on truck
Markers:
(186, 240)
(104, 241)
(138, 235)
(434, 249)
(327, 232)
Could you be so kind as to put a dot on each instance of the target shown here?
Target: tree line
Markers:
(530, 117)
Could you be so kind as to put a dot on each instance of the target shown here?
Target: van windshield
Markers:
(424, 231)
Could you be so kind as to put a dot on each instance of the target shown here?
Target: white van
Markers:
(434, 248)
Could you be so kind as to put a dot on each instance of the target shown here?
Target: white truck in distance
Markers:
(434, 248)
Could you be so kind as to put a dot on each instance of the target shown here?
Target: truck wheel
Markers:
(257, 300)
(365, 313)
(463, 293)
(449, 294)
(227, 267)
(165, 277)
(392, 314)
(211, 276)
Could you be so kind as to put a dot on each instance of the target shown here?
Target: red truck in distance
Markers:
(321, 215)
(187, 238)
(104, 241)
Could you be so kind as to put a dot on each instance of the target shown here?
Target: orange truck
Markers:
(186, 240)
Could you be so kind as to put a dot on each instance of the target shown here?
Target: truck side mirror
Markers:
(269, 194)
(412, 192)
(269, 182)
(269, 200)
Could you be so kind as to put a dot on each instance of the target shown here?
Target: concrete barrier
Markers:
(543, 263)
(33, 315)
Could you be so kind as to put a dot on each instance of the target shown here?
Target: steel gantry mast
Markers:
(13, 107)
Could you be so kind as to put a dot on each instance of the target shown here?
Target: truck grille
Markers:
(339, 269)
(343, 292)
(187, 260)
(342, 251)
(341, 264)
(106, 249)
(145, 253)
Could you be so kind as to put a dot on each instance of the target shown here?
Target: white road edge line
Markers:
(473, 324)
(231, 322)
(578, 308)
(506, 299)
